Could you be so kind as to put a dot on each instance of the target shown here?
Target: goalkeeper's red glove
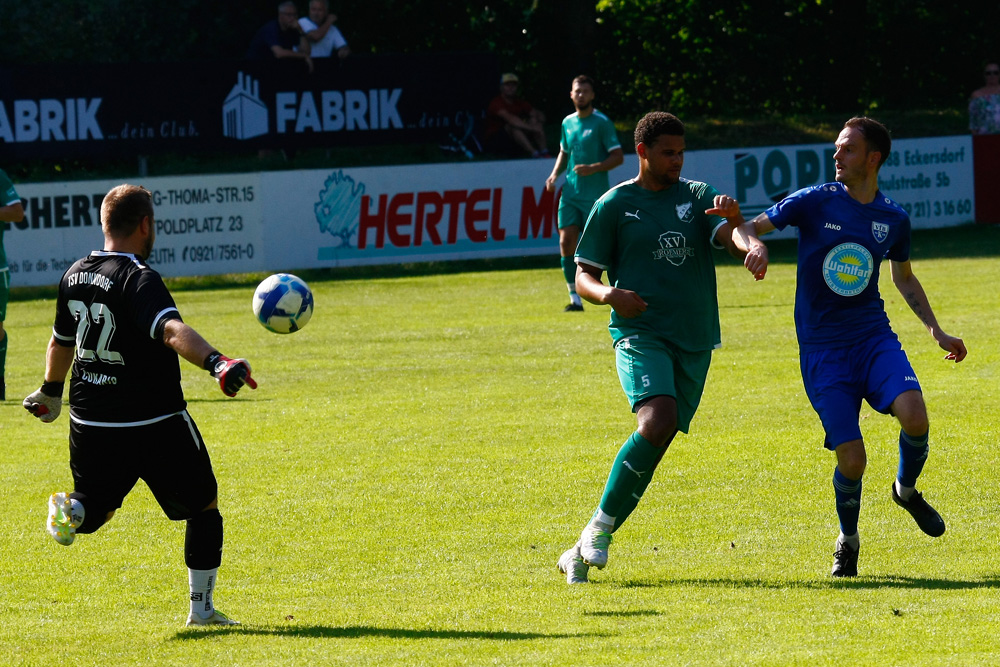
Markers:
(232, 374)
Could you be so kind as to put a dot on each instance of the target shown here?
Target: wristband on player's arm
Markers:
(232, 374)
(210, 360)
(53, 389)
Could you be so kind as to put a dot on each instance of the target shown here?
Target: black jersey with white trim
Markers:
(112, 307)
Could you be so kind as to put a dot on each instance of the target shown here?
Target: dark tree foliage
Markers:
(689, 56)
(793, 56)
(134, 31)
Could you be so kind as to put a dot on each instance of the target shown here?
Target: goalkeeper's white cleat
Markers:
(65, 516)
(573, 566)
(217, 618)
(594, 544)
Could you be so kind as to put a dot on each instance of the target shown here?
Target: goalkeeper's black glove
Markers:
(232, 374)
(45, 403)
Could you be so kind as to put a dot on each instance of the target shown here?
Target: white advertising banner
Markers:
(931, 177)
(349, 217)
(204, 225)
(282, 221)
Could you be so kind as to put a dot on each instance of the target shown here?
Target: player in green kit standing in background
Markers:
(654, 236)
(588, 150)
(11, 210)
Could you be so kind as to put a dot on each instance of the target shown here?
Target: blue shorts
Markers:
(837, 380)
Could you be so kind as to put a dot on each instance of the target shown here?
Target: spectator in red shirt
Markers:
(514, 127)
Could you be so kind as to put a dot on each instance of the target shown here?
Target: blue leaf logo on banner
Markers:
(339, 208)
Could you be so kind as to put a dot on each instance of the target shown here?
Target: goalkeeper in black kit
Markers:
(118, 327)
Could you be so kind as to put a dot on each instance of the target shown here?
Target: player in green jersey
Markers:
(11, 210)
(588, 150)
(654, 236)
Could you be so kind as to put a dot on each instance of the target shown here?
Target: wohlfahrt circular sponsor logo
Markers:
(848, 268)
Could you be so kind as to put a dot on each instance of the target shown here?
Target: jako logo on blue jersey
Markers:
(848, 268)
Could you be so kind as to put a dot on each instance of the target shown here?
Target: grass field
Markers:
(398, 489)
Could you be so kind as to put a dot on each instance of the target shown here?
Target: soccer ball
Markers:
(283, 303)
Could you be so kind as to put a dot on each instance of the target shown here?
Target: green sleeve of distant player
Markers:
(572, 143)
(564, 140)
(609, 135)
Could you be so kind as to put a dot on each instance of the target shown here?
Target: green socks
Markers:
(631, 470)
(569, 273)
(3, 353)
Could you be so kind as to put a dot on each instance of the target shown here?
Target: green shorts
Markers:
(4, 293)
(573, 213)
(648, 367)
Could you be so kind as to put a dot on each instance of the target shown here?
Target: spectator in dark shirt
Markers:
(281, 38)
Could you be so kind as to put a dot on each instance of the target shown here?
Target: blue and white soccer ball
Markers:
(283, 303)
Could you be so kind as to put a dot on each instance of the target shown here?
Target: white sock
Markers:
(853, 541)
(574, 297)
(602, 521)
(904, 492)
(202, 583)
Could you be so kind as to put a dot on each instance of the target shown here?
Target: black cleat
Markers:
(3, 390)
(845, 561)
(573, 308)
(926, 516)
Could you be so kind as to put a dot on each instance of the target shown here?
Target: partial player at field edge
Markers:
(11, 210)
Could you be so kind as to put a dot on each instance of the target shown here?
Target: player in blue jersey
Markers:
(847, 350)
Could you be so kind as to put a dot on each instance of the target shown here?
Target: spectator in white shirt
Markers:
(324, 37)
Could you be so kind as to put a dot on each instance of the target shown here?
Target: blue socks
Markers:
(848, 494)
(912, 456)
